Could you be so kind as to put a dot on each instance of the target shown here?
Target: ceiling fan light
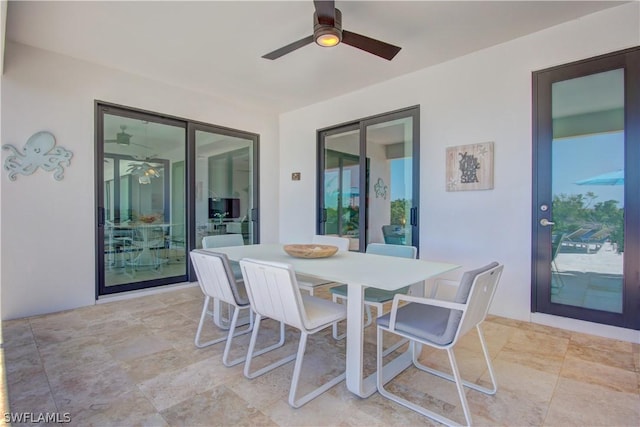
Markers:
(327, 40)
(327, 36)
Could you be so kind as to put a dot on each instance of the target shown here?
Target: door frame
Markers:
(361, 125)
(629, 60)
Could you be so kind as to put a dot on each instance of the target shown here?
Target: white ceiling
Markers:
(215, 47)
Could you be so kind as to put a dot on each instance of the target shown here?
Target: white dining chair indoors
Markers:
(375, 297)
(440, 324)
(218, 241)
(274, 293)
(309, 283)
(216, 281)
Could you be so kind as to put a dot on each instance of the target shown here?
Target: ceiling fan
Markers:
(327, 32)
(145, 171)
(122, 137)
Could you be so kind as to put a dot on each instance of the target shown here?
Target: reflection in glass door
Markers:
(367, 185)
(142, 238)
(342, 185)
(225, 185)
(585, 214)
(392, 215)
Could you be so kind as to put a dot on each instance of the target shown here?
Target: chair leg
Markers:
(296, 377)
(334, 327)
(232, 334)
(367, 308)
(251, 354)
(205, 313)
(203, 316)
(385, 393)
(456, 378)
(471, 385)
(459, 386)
(219, 318)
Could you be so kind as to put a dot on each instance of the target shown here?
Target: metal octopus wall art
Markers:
(39, 151)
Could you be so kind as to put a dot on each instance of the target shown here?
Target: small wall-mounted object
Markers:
(470, 167)
(39, 151)
(381, 189)
(295, 176)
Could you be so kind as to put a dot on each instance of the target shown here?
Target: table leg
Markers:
(356, 383)
(355, 343)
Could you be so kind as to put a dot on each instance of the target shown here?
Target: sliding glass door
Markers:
(141, 215)
(368, 185)
(225, 184)
(162, 185)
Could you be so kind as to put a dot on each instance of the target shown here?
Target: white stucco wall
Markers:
(48, 226)
(484, 96)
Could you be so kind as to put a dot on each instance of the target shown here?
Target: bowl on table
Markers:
(310, 250)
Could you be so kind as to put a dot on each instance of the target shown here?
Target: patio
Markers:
(133, 362)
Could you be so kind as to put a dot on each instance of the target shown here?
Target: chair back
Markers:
(341, 242)
(399, 251)
(222, 240)
(476, 290)
(273, 291)
(216, 277)
(393, 234)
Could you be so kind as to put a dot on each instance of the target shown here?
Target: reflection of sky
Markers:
(400, 186)
(583, 157)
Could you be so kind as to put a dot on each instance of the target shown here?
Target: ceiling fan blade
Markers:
(289, 48)
(326, 11)
(376, 47)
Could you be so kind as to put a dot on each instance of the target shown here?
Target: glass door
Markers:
(392, 191)
(225, 184)
(368, 188)
(586, 213)
(141, 234)
(341, 190)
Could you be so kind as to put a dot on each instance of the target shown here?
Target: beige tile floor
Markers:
(133, 362)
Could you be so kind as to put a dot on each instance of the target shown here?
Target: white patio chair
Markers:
(274, 293)
(308, 283)
(216, 281)
(440, 324)
(218, 241)
(375, 297)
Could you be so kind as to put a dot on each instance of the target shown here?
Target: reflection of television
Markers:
(222, 205)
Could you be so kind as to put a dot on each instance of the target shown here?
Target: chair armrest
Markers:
(420, 300)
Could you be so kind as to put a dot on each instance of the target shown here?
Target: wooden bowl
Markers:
(310, 251)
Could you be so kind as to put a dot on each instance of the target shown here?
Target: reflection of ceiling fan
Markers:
(123, 138)
(328, 32)
(145, 171)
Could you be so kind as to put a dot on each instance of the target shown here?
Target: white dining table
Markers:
(359, 271)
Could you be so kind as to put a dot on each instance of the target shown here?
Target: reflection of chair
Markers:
(274, 293)
(440, 324)
(221, 240)
(308, 283)
(372, 296)
(393, 234)
(556, 244)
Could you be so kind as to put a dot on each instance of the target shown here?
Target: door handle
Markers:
(545, 222)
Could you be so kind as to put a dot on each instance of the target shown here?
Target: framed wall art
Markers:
(470, 167)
